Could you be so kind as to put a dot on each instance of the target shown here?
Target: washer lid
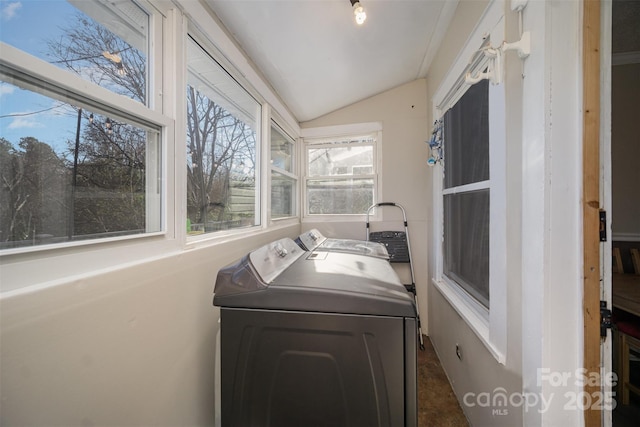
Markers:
(313, 240)
(363, 247)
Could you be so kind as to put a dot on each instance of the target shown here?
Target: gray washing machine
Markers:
(313, 240)
(312, 339)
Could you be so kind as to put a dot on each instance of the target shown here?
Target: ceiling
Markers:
(318, 60)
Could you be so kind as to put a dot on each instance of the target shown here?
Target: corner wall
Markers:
(403, 114)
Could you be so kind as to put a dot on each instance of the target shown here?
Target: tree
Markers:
(34, 181)
(89, 49)
(110, 182)
(109, 156)
(12, 195)
(46, 184)
(217, 141)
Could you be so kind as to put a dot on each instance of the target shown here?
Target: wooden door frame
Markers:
(591, 199)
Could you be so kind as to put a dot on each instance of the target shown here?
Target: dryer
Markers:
(315, 339)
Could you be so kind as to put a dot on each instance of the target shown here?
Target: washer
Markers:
(313, 240)
(315, 339)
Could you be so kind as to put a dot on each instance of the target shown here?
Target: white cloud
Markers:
(9, 9)
(6, 89)
(21, 123)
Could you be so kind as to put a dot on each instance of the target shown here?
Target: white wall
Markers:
(403, 114)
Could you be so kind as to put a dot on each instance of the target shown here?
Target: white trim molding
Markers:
(625, 58)
(625, 237)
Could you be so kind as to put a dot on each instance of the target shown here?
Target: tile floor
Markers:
(437, 405)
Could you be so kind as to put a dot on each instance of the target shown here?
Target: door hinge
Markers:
(605, 319)
(603, 225)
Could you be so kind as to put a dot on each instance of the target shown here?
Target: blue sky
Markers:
(28, 25)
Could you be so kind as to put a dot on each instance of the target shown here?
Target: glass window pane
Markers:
(222, 164)
(283, 195)
(281, 150)
(103, 42)
(283, 186)
(71, 173)
(342, 160)
(466, 242)
(339, 196)
(466, 138)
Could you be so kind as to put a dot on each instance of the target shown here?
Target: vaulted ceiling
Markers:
(316, 57)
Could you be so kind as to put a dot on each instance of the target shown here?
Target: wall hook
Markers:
(522, 46)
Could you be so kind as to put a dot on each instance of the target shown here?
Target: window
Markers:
(284, 183)
(223, 120)
(466, 192)
(472, 258)
(103, 42)
(78, 161)
(470, 199)
(341, 176)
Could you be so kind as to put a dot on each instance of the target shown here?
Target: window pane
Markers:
(339, 196)
(283, 186)
(72, 174)
(281, 150)
(466, 138)
(283, 195)
(222, 163)
(466, 242)
(104, 42)
(342, 160)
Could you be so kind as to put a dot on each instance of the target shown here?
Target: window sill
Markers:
(285, 220)
(473, 313)
(225, 236)
(338, 218)
(71, 245)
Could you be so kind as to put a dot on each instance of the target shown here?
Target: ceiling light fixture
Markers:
(358, 12)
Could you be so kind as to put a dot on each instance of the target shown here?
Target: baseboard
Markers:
(626, 237)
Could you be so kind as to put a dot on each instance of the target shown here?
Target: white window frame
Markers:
(490, 325)
(104, 101)
(311, 135)
(262, 145)
(198, 20)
